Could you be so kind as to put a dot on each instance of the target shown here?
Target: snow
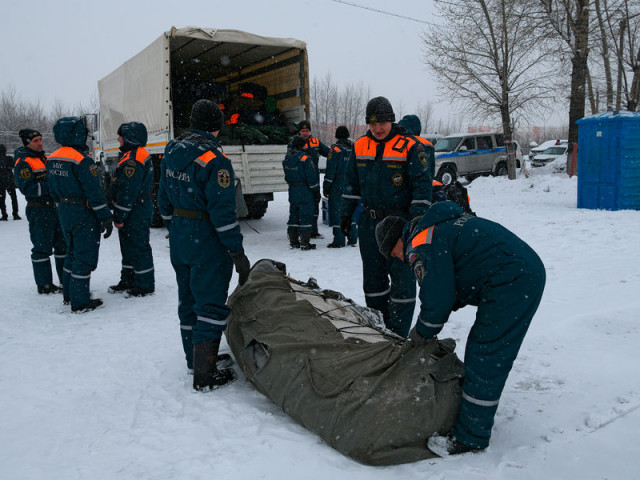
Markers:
(106, 394)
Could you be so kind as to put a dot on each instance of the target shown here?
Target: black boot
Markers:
(4, 217)
(304, 241)
(17, 217)
(49, 289)
(206, 375)
(136, 291)
(87, 307)
(292, 233)
(120, 287)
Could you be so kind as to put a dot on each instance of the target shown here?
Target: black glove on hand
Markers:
(418, 339)
(345, 226)
(106, 227)
(325, 193)
(316, 195)
(242, 264)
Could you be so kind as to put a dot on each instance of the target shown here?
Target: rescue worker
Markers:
(333, 186)
(300, 175)
(133, 211)
(314, 147)
(413, 126)
(197, 201)
(7, 185)
(388, 172)
(82, 208)
(460, 260)
(30, 173)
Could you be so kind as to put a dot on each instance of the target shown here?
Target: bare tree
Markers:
(485, 56)
(569, 20)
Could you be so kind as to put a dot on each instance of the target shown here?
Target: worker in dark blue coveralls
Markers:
(460, 260)
(300, 175)
(314, 148)
(334, 183)
(7, 185)
(30, 173)
(388, 172)
(197, 201)
(133, 211)
(82, 208)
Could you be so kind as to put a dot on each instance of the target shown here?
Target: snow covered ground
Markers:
(106, 394)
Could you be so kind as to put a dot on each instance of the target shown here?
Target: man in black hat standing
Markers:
(42, 214)
(197, 201)
(314, 148)
(7, 184)
(388, 172)
(333, 185)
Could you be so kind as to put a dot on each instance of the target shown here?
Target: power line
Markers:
(383, 12)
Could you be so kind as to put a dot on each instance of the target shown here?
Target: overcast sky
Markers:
(60, 49)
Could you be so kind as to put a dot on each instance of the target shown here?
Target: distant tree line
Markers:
(17, 113)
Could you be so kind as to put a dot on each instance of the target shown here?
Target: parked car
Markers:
(544, 145)
(470, 155)
(549, 155)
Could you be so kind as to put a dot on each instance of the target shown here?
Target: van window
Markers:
(484, 143)
(499, 140)
(470, 143)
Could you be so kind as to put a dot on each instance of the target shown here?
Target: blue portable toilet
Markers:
(609, 161)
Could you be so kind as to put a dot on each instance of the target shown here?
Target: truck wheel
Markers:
(256, 207)
(446, 175)
(501, 170)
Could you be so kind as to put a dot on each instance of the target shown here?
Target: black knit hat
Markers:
(379, 109)
(298, 141)
(342, 132)
(206, 116)
(304, 124)
(28, 134)
(388, 231)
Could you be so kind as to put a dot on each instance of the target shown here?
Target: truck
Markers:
(260, 83)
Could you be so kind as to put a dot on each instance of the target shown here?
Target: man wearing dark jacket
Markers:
(44, 226)
(82, 209)
(7, 184)
(314, 148)
(460, 260)
(334, 183)
(133, 211)
(388, 172)
(301, 177)
(197, 201)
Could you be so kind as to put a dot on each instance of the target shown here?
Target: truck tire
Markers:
(256, 206)
(447, 174)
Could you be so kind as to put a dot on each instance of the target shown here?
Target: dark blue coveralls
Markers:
(133, 207)
(314, 148)
(333, 186)
(75, 187)
(461, 260)
(197, 200)
(30, 172)
(389, 177)
(300, 175)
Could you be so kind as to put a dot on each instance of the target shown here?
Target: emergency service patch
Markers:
(25, 173)
(397, 180)
(224, 178)
(93, 170)
(424, 160)
(129, 171)
(419, 270)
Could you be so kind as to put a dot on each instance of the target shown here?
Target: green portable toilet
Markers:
(609, 161)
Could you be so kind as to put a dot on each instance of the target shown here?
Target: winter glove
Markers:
(242, 264)
(316, 195)
(345, 226)
(325, 193)
(418, 339)
(106, 227)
